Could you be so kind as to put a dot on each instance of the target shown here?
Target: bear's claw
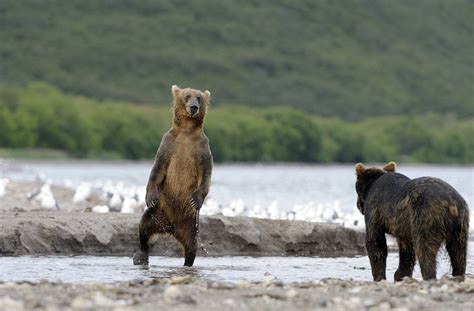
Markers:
(195, 202)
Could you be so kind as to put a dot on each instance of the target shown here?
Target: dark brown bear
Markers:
(180, 178)
(421, 213)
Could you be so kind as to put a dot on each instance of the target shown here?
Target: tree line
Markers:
(41, 116)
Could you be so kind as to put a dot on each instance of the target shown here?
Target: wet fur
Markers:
(421, 213)
(179, 180)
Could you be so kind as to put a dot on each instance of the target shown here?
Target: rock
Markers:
(257, 237)
(103, 301)
(229, 302)
(172, 294)
(52, 308)
(185, 279)
(97, 299)
(409, 280)
(354, 301)
(244, 284)
(222, 285)
(369, 302)
(384, 305)
(47, 232)
(7, 303)
(355, 290)
(292, 293)
(81, 303)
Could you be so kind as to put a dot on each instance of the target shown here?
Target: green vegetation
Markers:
(346, 59)
(33, 153)
(40, 116)
(311, 81)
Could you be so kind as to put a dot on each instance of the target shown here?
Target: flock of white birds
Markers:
(131, 199)
(328, 213)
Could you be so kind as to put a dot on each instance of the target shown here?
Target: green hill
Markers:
(351, 59)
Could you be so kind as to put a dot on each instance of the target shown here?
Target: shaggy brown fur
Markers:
(421, 213)
(180, 178)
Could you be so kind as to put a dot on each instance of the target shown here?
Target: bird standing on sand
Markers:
(83, 192)
(45, 196)
(3, 184)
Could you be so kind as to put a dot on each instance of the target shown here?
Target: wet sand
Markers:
(28, 229)
(73, 233)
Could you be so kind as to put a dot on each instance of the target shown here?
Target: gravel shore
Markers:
(187, 293)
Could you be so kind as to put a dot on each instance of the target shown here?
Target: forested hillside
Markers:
(349, 59)
(39, 116)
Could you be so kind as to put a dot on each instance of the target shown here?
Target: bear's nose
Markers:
(194, 108)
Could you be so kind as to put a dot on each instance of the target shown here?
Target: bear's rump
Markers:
(436, 197)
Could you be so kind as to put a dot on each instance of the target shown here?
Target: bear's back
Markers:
(435, 190)
(387, 191)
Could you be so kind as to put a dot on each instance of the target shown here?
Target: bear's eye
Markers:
(199, 99)
(187, 97)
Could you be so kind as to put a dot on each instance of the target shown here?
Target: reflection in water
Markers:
(84, 269)
(154, 273)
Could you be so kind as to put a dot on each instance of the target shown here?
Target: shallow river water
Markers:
(253, 185)
(85, 269)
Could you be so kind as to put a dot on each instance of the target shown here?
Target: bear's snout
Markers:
(194, 109)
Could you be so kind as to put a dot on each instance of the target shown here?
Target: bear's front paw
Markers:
(195, 201)
(151, 198)
(140, 258)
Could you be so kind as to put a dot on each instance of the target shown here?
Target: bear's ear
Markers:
(207, 96)
(175, 90)
(360, 169)
(390, 167)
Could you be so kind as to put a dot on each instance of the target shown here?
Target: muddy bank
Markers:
(76, 233)
(188, 293)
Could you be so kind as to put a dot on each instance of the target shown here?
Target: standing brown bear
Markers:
(421, 213)
(180, 178)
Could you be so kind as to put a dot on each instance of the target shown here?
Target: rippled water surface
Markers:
(83, 269)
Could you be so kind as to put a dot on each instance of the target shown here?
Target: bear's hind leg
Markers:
(428, 235)
(154, 221)
(426, 249)
(377, 250)
(456, 245)
(186, 234)
(406, 261)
